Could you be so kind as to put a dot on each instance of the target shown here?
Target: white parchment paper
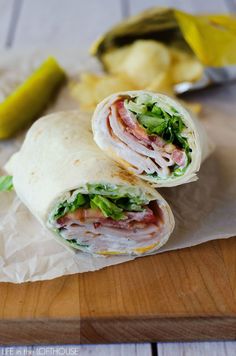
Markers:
(204, 210)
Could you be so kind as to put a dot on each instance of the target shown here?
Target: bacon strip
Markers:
(132, 123)
(131, 221)
(179, 157)
(136, 233)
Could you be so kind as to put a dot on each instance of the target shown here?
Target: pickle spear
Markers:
(30, 98)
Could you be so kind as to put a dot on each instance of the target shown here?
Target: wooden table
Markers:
(62, 23)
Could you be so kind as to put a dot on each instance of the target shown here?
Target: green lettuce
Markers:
(129, 204)
(75, 243)
(67, 206)
(107, 207)
(6, 183)
(156, 121)
(118, 193)
(112, 201)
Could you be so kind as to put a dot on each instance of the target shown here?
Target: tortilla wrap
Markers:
(152, 136)
(84, 197)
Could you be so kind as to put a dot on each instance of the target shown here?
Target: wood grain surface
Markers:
(183, 295)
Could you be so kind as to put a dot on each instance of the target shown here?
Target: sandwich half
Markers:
(152, 136)
(88, 200)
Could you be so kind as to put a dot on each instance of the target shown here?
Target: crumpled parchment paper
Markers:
(203, 210)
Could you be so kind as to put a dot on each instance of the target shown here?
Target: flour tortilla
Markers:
(59, 156)
(118, 151)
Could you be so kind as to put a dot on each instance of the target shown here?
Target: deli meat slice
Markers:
(131, 122)
(87, 200)
(139, 231)
(131, 220)
(152, 136)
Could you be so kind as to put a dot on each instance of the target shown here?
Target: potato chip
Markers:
(142, 61)
(185, 67)
(109, 84)
(162, 84)
(93, 88)
(83, 91)
(196, 108)
(144, 64)
(114, 59)
(89, 78)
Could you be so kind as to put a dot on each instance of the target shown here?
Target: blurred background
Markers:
(77, 23)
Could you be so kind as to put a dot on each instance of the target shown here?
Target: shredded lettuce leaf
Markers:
(6, 183)
(108, 208)
(75, 243)
(116, 192)
(168, 125)
(66, 207)
(129, 204)
(111, 200)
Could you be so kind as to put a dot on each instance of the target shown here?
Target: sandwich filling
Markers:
(151, 137)
(108, 219)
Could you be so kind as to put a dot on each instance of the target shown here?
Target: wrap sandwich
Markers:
(152, 136)
(86, 199)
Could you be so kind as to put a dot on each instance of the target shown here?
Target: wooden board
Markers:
(182, 295)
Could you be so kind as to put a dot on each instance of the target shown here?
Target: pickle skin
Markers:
(28, 100)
